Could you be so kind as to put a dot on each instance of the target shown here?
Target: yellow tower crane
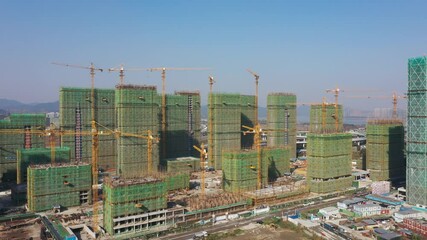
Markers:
(163, 71)
(256, 76)
(121, 69)
(203, 156)
(95, 142)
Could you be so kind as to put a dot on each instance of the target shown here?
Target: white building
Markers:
(399, 216)
(349, 202)
(365, 210)
(329, 212)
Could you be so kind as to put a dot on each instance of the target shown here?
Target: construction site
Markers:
(131, 161)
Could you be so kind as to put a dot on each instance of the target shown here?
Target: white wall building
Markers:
(365, 210)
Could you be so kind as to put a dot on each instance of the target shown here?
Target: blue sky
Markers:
(303, 47)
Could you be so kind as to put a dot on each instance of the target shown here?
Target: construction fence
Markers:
(138, 110)
(75, 114)
(131, 197)
(65, 185)
(183, 124)
(282, 121)
(31, 156)
(385, 149)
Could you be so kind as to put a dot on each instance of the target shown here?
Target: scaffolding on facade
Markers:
(323, 119)
(282, 115)
(416, 170)
(183, 164)
(248, 115)
(384, 149)
(63, 185)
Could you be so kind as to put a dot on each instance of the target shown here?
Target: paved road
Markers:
(240, 222)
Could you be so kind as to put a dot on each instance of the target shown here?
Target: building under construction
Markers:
(328, 150)
(12, 141)
(416, 166)
(247, 118)
(75, 114)
(282, 120)
(137, 113)
(62, 185)
(384, 149)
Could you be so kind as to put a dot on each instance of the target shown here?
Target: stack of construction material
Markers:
(416, 184)
(27, 157)
(380, 188)
(137, 112)
(226, 124)
(75, 114)
(384, 149)
(64, 185)
(281, 121)
(183, 124)
(247, 108)
(131, 197)
(11, 142)
(183, 164)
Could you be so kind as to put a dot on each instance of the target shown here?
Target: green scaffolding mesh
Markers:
(323, 120)
(138, 110)
(27, 157)
(226, 125)
(278, 161)
(183, 165)
(329, 159)
(177, 181)
(183, 124)
(72, 100)
(125, 198)
(247, 108)
(384, 149)
(10, 142)
(416, 170)
(282, 121)
(65, 185)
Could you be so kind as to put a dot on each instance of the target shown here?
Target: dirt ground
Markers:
(263, 232)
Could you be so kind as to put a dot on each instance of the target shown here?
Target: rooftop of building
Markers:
(384, 199)
(57, 165)
(353, 201)
(366, 205)
(407, 212)
(117, 181)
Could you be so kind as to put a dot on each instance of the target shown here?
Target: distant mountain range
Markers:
(11, 106)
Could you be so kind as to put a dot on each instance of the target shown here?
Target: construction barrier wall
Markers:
(384, 149)
(131, 197)
(177, 181)
(322, 118)
(247, 108)
(27, 157)
(75, 113)
(282, 121)
(65, 185)
(138, 110)
(10, 142)
(183, 124)
(240, 172)
(329, 161)
(183, 165)
(226, 123)
(416, 148)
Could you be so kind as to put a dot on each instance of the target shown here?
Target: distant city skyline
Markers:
(304, 47)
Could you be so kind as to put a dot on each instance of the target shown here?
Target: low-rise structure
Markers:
(349, 203)
(418, 226)
(401, 215)
(329, 212)
(365, 210)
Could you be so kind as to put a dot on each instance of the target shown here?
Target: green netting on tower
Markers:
(226, 124)
(416, 170)
(278, 161)
(240, 172)
(27, 157)
(329, 158)
(177, 181)
(138, 110)
(65, 185)
(183, 124)
(323, 118)
(384, 149)
(75, 113)
(248, 115)
(330, 185)
(183, 165)
(10, 142)
(125, 198)
(282, 121)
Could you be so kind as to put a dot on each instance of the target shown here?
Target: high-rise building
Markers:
(416, 147)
